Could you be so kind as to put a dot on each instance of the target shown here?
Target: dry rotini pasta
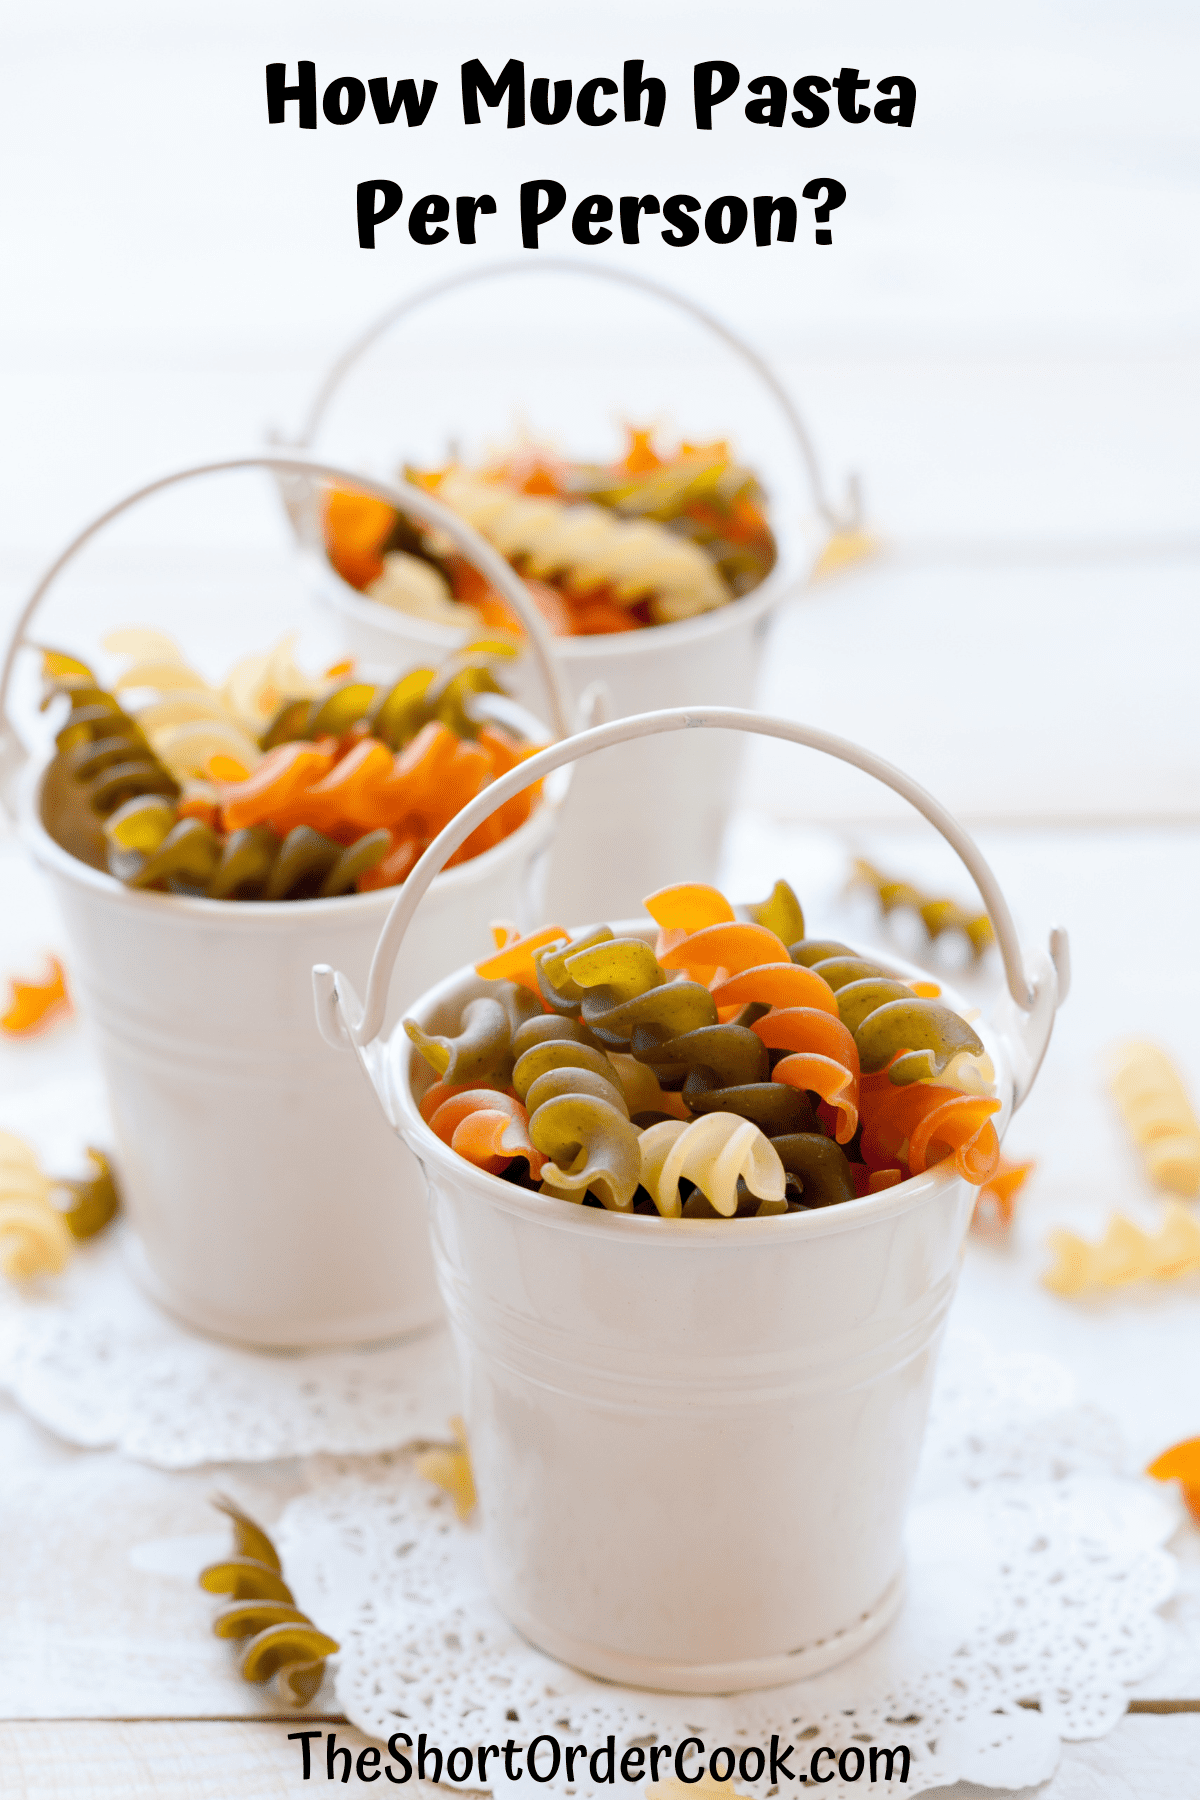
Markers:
(713, 1074)
(341, 789)
(997, 1196)
(578, 1114)
(647, 540)
(1181, 1463)
(283, 1642)
(937, 915)
(95, 1200)
(586, 547)
(1125, 1254)
(188, 720)
(34, 1238)
(37, 1234)
(1158, 1114)
(448, 1466)
(714, 1153)
(36, 1005)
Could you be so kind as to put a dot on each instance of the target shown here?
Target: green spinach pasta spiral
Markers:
(283, 1641)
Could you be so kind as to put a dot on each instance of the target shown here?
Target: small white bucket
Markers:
(270, 1204)
(694, 1441)
(610, 840)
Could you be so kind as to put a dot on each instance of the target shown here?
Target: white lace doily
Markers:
(1035, 1571)
(91, 1358)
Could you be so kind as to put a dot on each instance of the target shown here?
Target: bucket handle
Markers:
(1036, 988)
(400, 494)
(846, 520)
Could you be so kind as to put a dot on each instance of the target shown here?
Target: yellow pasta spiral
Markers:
(1154, 1104)
(448, 1466)
(588, 547)
(34, 1237)
(1124, 1254)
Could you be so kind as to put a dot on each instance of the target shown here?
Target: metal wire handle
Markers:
(400, 494)
(347, 1023)
(845, 520)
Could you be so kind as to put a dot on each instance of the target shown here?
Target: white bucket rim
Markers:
(747, 609)
(590, 1221)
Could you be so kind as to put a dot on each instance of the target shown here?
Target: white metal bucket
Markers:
(610, 840)
(694, 1441)
(269, 1201)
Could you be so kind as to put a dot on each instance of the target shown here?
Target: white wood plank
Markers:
(141, 1760)
(102, 1615)
(252, 1760)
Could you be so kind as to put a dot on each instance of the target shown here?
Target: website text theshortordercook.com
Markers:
(547, 1758)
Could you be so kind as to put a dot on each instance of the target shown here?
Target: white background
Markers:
(1002, 340)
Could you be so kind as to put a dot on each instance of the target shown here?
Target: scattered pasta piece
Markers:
(448, 1466)
(1181, 1463)
(37, 1005)
(34, 1240)
(1158, 1114)
(95, 1201)
(842, 551)
(696, 1787)
(997, 1196)
(937, 915)
(284, 1642)
(1124, 1254)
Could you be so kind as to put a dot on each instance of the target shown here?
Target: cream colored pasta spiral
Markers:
(34, 1238)
(589, 547)
(713, 1151)
(1158, 1114)
(1125, 1254)
(190, 720)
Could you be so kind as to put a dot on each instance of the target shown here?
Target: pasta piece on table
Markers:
(1181, 1463)
(36, 1005)
(34, 1238)
(448, 1466)
(936, 914)
(284, 1642)
(1125, 1254)
(997, 1196)
(1158, 1114)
